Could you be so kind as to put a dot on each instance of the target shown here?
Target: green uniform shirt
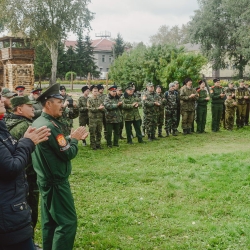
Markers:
(51, 159)
(215, 95)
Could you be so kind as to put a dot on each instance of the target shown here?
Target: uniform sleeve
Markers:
(126, 104)
(13, 164)
(81, 105)
(215, 96)
(109, 105)
(183, 95)
(73, 113)
(18, 131)
(146, 102)
(91, 107)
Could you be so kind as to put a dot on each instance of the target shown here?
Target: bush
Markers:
(68, 75)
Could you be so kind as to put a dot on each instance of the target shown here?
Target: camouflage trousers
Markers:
(187, 119)
(161, 118)
(150, 123)
(241, 114)
(201, 119)
(95, 130)
(229, 118)
(171, 119)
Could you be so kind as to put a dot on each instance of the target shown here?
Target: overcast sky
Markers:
(137, 20)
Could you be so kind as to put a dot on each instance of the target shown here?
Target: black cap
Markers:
(84, 88)
(100, 86)
(93, 87)
(200, 82)
(62, 87)
(36, 91)
(18, 88)
(51, 92)
(216, 80)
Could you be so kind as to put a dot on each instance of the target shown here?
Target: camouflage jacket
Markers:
(171, 100)
(148, 100)
(202, 93)
(82, 105)
(163, 101)
(229, 105)
(187, 104)
(232, 91)
(130, 112)
(239, 95)
(8, 114)
(112, 110)
(93, 104)
(215, 95)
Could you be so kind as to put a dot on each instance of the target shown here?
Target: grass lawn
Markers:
(184, 192)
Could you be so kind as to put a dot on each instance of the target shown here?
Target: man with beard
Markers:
(6, 97)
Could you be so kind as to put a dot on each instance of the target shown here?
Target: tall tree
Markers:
(46, 21)
(80, 55)
(119, 46)
(173, 35)
(222, 29)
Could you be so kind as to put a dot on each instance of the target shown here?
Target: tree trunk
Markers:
(53, 48)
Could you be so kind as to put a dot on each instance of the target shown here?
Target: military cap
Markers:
(176, 82)
(20, 88)
(150, 84)
(84, 88)
(62, 88)
(216, 80)
(159, 86)
(51, 92)
(171, 85)
(241, 80)
(7, 93)
(113, 87)
(119, 88)
(200, 82)
(100, 86)
(20, 100)
(187, 80)
(36, 91)
(93, 87)
(129, 87)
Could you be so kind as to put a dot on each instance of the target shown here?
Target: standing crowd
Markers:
(38, 142)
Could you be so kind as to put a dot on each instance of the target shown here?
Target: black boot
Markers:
(167, 133)
(160, 132)
(150, 137)
(84, 143)
(185, 131)
(174, 132)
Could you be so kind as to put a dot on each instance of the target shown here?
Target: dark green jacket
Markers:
(202, 97)
(215, 95)
(130, 113)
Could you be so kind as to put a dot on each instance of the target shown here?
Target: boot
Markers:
(174, 132)
(185, 132)
(160, 132)
(154, 138)
(84, 143)
(167, 133)
(150, 137)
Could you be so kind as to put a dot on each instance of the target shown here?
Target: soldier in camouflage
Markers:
(241, 96)
(83, 109)
(188, 96)
(70, 112)
(23, 113)
(151, 103)
(177, 90)
(160, 122)
(201, 108)
(6, 96)
(112, 105)
(95, 111)
(171, 100)
(119, 92)
(103, 96)
(230, 105)
(131, 115)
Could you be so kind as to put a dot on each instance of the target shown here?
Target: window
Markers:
(107, 70)
(103, 58)
(110, 58)
(100, 69)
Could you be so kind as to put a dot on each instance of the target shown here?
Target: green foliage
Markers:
(221, 27)
(159, 64)
(68, 75)
(119, 46)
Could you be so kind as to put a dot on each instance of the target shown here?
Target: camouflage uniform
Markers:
(113, 119)
(230, 113)
(187, 107)
(160, 121)
(8, 115)
(216, 106)
(131, 116)
(103, 96)
(150, 112)
(95, 121)
(67, 117)
(178, 107)
(241, 105)
(201, 110)
(17, 126)
(171, 118)
(83, 111)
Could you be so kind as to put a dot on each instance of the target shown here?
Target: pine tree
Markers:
(119, 46)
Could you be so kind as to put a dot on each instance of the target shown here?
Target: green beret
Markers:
(7, 93)
(51, 92)
(20, 100)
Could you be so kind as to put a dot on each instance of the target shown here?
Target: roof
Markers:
(101, 44)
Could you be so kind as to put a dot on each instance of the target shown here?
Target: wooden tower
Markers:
(16, 63)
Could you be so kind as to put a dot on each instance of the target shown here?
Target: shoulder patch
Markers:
(62, 142)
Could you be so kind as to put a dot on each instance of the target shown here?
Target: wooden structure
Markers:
(16, 63)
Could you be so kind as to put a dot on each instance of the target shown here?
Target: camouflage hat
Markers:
(229, 93)
(119, 88)
(150, 84)
(171, 85)
(51, 92)
(7, 93)
(20, 100)
(241, 80)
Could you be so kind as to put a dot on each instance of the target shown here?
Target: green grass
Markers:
(184, 192)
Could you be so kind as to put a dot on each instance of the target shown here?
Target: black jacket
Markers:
(15, 214)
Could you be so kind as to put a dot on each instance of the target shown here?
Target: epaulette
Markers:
(54, 123)
(212, 86)
(198, 90)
